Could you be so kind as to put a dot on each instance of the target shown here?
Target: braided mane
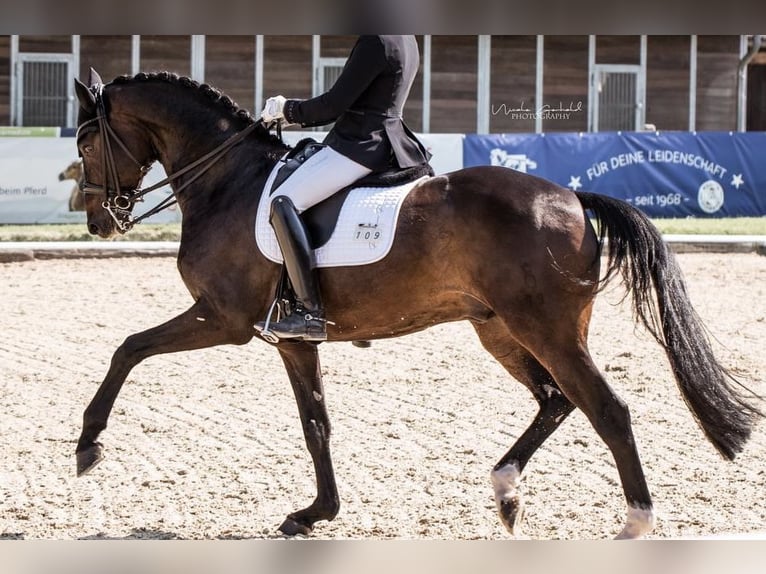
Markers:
(217, 99)
(213, 94)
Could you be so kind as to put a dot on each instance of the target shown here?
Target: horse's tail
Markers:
(637, 251)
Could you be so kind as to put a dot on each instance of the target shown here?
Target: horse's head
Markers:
(72, 171)
(112, 174)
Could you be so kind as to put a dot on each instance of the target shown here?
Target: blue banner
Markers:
(665, 174)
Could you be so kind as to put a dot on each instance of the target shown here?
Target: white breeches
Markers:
(324, 173)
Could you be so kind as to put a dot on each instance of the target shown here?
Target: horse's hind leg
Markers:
(580, 380)
(554, 408)
(302, 363)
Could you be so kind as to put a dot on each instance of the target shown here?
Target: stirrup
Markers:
(263, 329)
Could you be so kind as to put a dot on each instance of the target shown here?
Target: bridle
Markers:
(120, 201)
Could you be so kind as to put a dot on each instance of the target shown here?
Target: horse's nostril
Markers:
(93, 229)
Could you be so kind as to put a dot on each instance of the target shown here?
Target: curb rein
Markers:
(119, 202)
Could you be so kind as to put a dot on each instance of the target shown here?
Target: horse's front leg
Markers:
(302, 363)
(197, 328)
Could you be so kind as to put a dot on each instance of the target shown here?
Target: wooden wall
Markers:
(453, 83)
(756, 95)
(717, 59)
(166, 53)
(565, 80)
(336, 46)
(618, 50)
(5, 80)
(230, 66)
(287, 66)
(512, 83)
(108, 55)
(667, 82)
(50, 44)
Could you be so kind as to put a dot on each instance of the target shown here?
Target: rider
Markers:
(369, 136)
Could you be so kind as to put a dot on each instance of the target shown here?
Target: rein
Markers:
(204, 163)
(119, 202)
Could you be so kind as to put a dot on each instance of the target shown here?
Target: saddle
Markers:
(321, 219)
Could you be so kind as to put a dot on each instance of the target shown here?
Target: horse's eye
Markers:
(87, 149)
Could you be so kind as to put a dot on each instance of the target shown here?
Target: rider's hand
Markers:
(273, 110)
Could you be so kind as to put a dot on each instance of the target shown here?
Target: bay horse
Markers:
(515, 255)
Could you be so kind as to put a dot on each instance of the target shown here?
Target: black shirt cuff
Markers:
(289, 111)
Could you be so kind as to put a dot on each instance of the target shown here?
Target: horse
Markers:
(74, 171)
(515, 255)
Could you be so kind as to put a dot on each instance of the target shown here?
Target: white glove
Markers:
(272, 111)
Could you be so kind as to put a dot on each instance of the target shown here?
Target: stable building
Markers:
(467, 84)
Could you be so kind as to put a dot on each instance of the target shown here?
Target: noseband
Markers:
(120, 201)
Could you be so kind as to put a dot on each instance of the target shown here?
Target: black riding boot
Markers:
(307, 320)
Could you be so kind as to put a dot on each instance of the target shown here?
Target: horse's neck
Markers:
(242, 168)
(180, 144)
(181, 141)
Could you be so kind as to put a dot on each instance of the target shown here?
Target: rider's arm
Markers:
(366, 61)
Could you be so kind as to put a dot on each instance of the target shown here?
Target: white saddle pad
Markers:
(364, 232)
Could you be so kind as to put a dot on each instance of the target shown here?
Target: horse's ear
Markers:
(93, 78)
(85, 96)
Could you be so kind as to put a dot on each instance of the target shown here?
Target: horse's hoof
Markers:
(292, 527)
(512, 514)
(87, 459)
(640, 522)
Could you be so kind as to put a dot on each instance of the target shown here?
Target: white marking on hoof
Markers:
(640, 521)
(506, 481)
(550, 390)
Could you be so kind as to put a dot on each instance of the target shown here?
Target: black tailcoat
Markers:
(366, 105)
